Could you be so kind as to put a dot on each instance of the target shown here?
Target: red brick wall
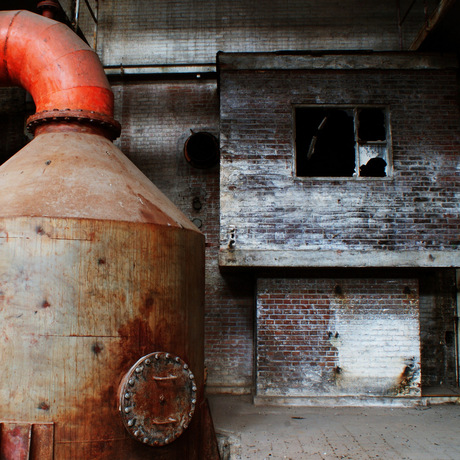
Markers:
(416, 209)
(157, 116)
(338, 337)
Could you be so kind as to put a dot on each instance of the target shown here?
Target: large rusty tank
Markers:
(101, 276)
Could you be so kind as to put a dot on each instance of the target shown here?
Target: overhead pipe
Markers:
(63, 75)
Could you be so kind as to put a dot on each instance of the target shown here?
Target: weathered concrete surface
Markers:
(419, 433)
(319, 258)
(331, 60)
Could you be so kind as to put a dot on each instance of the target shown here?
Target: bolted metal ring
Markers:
(157, 398)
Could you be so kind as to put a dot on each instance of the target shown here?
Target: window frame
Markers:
(355, 108)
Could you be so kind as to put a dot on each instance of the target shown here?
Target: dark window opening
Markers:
(325, 142)
(371, 125)
(341, 142)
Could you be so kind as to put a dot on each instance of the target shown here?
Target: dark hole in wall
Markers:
(325, 142)
(15, 106)
(450, 338)
(201, 150)
(371, 125)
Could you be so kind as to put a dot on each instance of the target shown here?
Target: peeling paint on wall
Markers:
(345, 337)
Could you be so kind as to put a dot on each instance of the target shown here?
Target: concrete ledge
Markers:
(353, 401)
(195, 69)
(335, 60)
(264, 258)
(228, 390)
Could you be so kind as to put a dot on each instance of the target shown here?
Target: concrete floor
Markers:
(246, 431)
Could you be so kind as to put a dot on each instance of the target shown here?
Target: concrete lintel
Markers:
(195, 69)
(352, 401)
(337, 259)
(228, 390)
(336, 61)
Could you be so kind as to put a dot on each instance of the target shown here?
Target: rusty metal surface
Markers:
(26, 441)
(73, 120)
(209, 446)
(157, 398)
(42, 442)
(80, 301)
(85, 176)
(15, 441)
(97, 268)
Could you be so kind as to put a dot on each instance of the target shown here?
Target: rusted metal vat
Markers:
(98, 272)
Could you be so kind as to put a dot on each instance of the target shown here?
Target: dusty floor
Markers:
(282, 433)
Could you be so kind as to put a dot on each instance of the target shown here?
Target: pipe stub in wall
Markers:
(201, 150)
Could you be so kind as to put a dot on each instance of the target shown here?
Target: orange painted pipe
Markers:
(61, 72)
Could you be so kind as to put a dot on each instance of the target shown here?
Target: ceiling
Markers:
(444, 35)
(30, 5)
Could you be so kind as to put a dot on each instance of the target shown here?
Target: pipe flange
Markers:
(111, 126)
(157, 398)
(50, 4)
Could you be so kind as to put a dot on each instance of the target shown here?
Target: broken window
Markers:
(342, 142)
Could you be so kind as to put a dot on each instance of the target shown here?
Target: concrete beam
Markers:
(195, 69)
(255, 258)
(335, 61)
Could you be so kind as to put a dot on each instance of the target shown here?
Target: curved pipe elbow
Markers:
(61, 72)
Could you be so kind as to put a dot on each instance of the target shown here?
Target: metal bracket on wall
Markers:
(93, 13)
(232, 237)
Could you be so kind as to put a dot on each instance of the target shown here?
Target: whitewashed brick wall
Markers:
(338, 337)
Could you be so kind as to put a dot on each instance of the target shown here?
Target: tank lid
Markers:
(82, 175)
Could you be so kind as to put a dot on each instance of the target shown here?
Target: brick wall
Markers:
(12, 121)
(134, 32)
(319, 337)
(156, 118)
(414, 210)
(438, 327)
